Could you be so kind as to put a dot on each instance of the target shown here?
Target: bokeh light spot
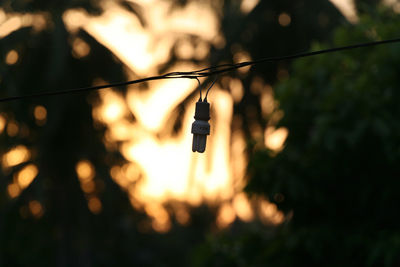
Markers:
(80, 48)
(185, 49)
(226, 215)
(161, 221)
(12, 57)
(2, 123)
(85, 170)
(16, 156)
(113, 107)
(95, 205)
(13, 190)
(10, 25)
(88, 186)
(237, 90)
(248, 5)
(269, 213)
(36, 208)
(275, 138)
(182, 216)
(284, 19)
(27, 175)
(243, 207)
(12, 128)
(267, 101)
(40, 113)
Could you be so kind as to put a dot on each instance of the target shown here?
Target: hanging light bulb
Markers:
(201, 127)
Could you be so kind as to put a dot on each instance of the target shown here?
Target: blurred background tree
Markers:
(336, 179)
(50, 222)
(74, 214)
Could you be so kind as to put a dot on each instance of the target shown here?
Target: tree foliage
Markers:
(337, 176)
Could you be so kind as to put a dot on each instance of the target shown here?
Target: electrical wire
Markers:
(200, 99)
(205, 72)
(208, 90)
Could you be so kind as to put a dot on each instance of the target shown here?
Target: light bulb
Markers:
(201, 127)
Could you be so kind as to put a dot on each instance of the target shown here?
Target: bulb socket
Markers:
(202, 111)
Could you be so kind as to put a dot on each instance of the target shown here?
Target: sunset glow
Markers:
(150, 124)
(161, 166)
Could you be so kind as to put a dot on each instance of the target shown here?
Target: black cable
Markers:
(205, 72)
(198, 81)
(91, 88)
(208, 90)
(282, 58)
